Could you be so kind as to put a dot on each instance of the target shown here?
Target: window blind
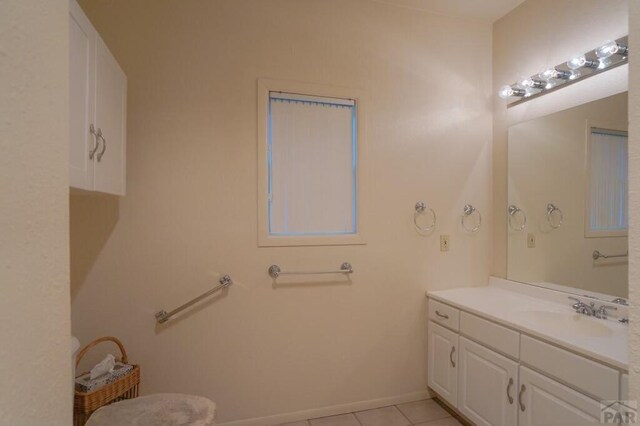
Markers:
(312, 165)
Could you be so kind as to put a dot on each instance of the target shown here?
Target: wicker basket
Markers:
(126, 387)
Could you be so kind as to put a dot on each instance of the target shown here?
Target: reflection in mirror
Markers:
(568, 199)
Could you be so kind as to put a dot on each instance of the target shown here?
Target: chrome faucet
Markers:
(590, 310)
(583, 308)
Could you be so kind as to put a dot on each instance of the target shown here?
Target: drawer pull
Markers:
(445, 316)
(509, 397)
(453, 363)
(522, 389)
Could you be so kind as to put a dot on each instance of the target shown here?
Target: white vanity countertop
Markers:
(508, 308)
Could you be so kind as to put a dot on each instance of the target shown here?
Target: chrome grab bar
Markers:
(597, 255)
(163, 316)
(275, 271)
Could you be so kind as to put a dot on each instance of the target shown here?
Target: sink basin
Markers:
(572, 323)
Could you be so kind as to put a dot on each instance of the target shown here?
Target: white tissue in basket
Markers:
(103, 367)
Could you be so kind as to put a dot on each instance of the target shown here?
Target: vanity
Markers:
(515, 354)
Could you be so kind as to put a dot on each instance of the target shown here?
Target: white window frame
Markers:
(265, 239)
(614, 127)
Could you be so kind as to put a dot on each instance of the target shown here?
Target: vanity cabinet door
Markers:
(442, 363)
(545, 402)
(487, 386)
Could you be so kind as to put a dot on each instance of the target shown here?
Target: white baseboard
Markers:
(329, 411)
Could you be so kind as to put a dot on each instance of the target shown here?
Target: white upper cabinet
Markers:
(97, 110)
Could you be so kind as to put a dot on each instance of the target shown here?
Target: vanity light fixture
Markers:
(609, 55)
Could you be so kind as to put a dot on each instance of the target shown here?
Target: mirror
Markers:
(567, 199)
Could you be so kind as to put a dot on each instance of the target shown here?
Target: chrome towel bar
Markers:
(275, 271)
(163, 316)
(597, 255)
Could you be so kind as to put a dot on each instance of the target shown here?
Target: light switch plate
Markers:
(531, 240)
(444, 243)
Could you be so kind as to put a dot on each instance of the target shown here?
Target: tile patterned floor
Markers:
(424, 413)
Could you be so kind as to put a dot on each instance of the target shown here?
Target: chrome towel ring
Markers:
(467, 211)
(513, 211)
(551, 209)
(420, 208)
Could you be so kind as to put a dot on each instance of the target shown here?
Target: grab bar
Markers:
(275, 271)
(163, 316)
(597, 255)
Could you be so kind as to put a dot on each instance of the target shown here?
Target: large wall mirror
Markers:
(567, 202)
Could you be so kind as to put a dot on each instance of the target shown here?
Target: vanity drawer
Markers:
(444, 315)
(581, 373)
(491, 334)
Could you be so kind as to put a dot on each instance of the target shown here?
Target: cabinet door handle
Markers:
(522, 389)
(453, 363)
(97, 136)
(445, 316)
(104, 146)
(509, 397)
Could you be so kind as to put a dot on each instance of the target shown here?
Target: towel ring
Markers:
(420, 208)
(551, 209)
(468, 210)
(514, 210)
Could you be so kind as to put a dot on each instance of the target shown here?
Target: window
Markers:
(310, 148)
(608, 183)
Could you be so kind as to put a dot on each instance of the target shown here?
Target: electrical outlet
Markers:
(444, 243)
(531, 240)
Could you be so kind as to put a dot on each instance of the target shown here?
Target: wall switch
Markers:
(531, 240)
(444, 243)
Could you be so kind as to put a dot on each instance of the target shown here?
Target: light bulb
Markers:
(610, 48)
(508, 91)
(530, 83)
(577, 62)
(552, 73)
(580, 62)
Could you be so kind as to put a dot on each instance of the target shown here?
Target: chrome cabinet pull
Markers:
(97, 136)
(509, 397)
(445, 316)
(522, 389)
(104, 146)
(453, 363)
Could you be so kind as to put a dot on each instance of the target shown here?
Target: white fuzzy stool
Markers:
(162, 409)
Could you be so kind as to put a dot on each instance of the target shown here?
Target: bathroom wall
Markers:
(536, 35)
(35, 368)
(634, 202)
(547, 165)
(190, 213)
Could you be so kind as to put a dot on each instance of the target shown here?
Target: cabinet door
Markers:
(442, 362)
(545, 402)
(82, 61)
(111, 110)
(487, 385)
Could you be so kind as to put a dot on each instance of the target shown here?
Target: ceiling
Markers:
(485, 10)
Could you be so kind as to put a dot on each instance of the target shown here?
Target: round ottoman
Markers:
(162, 409)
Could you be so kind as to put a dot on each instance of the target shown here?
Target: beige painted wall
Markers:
(190, 210)
(35, 388)
(536, 35)
(634, 201)
(547, 164)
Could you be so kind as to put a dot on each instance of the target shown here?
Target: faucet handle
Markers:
(602, 311)
(579, 303)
